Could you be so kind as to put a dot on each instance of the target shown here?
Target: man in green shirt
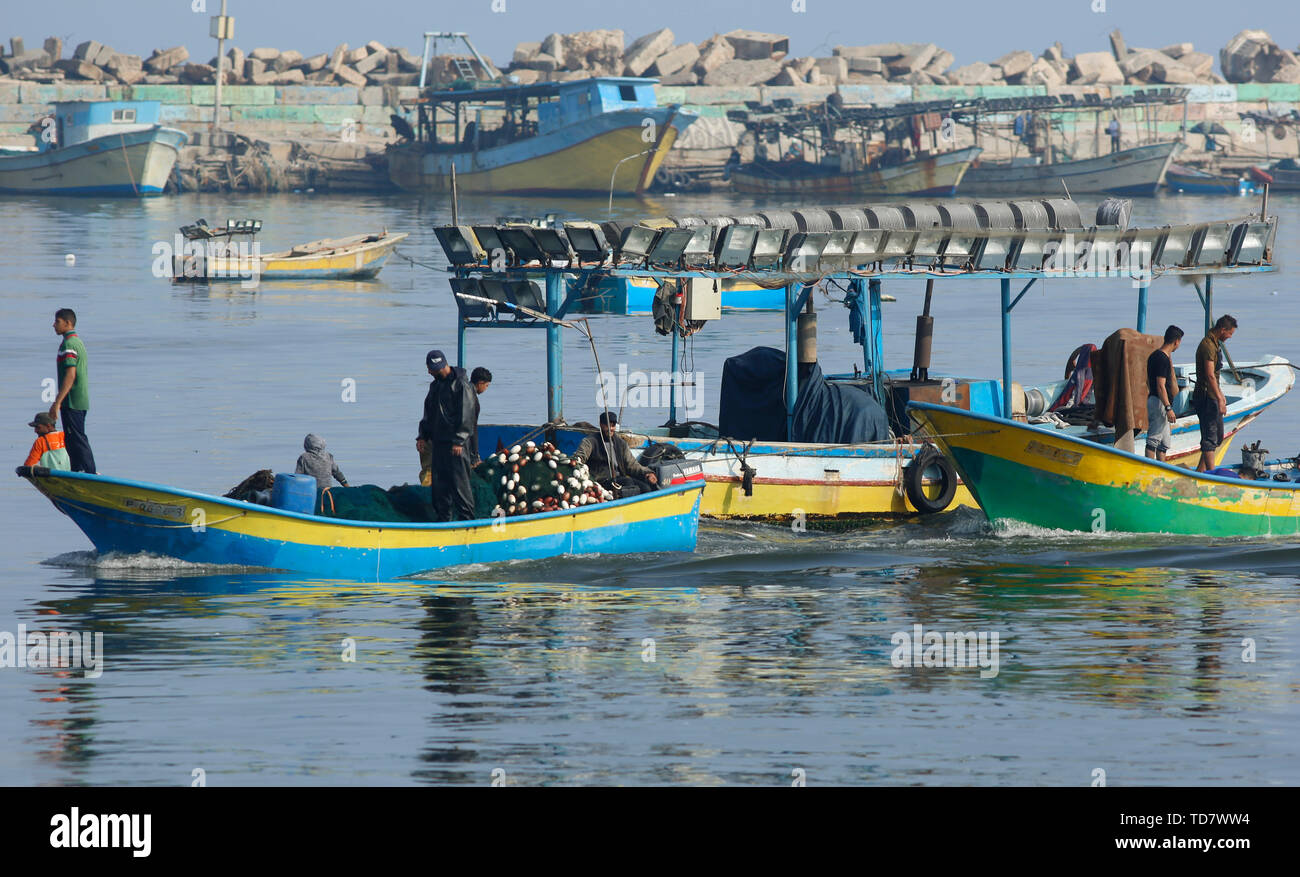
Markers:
(1208, 400)
(73, 399)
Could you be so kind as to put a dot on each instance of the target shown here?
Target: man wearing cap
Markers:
(73, 399)
(481, 378)
(49, 449)
(445, 433)
(626, 473)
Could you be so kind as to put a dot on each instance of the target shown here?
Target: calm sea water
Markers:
(771, 652)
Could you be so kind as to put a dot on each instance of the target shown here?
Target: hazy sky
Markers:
(971, 29)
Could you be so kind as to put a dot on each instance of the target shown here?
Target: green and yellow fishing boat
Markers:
(1041, 477)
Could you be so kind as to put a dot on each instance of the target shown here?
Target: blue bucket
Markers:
(294, 493)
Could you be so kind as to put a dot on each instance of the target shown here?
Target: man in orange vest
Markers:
(48, 450)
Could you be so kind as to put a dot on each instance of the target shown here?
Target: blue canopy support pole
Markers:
(1209, 302)
(672, 378)
(460, 342)
(579, 287)
(791, 359)
(554, 350)
(1006, 347)
(1142, 308)
(876, 332)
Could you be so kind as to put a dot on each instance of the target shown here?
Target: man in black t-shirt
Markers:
(1161, 390)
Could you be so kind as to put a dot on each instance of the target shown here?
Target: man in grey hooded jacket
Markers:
(319, 463)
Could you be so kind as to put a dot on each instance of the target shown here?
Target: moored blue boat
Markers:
(121, 515)
(95, 148)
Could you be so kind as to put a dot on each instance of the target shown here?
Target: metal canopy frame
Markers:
(863, 300)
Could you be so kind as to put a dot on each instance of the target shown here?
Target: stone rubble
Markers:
(739, 58)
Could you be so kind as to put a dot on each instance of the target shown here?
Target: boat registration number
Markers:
(1069, 458)
(155, 508)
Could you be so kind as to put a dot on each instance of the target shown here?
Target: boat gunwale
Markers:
(1109, 449)
(31, 473)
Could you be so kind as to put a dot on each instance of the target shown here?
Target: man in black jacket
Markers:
(448, 424)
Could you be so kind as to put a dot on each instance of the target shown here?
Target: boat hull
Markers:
(360, 262)
(1136, 171)
(1201, 184)
(938, 175)
(579, 159)
(129, 516)
(1021, 473)
(132, 164)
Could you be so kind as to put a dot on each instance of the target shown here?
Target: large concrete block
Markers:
(887, 51)
(742, 73)
(1177, 50)
(714, 52)
(309, 95)
(168, 94)
(942, 60)
(834, 70)
(87, 51)
(864, 64)
(335, 115)
(524, 52)
(54, 48)
(678, 58)
(372, 61)
(265, 54)
(1043, 72)
(337, 57)
(8, 93)
(553, 47)
(685, 76)
(703, 95)
(164, 59)
(978, 73)
(248, 95)
(286, 60)
(1100, 65)
(349, 76)
(290, 77)
(27, 59)
(751, 45)
(600, 51)
(643, 52)
(75, 69)
(1015, 63)
(314, 63)
(914, 59)
(372, 96)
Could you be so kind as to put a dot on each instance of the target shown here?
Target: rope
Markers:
(130, 174)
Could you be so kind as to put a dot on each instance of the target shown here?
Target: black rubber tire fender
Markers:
(914, 476)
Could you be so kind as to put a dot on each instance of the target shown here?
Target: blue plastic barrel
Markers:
(294, 493)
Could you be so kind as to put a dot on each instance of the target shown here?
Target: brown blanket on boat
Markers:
(1120, 380)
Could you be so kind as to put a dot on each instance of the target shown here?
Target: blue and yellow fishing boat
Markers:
(1037, 476)
(121, 515)
(589, 136)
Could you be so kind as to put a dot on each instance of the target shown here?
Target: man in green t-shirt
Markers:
(73, 399)
(1207, 399)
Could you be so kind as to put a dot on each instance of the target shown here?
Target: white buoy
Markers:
(69, 259)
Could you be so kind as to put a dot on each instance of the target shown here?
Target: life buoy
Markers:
(914, 478)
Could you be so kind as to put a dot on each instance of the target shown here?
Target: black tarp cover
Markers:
(753, 404)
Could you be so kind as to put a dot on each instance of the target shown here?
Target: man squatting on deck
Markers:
(447, 430)
(629, 475)
(1162, 387)
(1208, 399)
